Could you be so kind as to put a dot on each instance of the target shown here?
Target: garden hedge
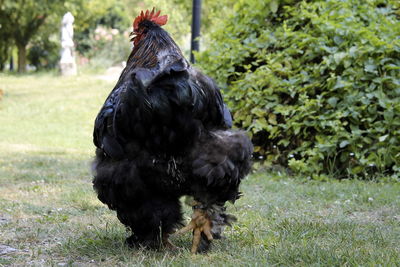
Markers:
(316, 83)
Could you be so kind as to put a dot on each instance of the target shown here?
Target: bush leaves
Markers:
(317, 83)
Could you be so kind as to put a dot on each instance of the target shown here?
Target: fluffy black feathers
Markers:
(163, 133)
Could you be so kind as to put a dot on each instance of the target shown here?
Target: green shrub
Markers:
(108, 47)
(44, 53)
(317, 83)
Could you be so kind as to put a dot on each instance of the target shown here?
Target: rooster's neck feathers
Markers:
(155, 46)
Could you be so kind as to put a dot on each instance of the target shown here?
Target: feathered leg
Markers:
(152, 217)
(218, 161)
(152, 223)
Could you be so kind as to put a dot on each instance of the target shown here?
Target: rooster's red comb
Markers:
(152, 16)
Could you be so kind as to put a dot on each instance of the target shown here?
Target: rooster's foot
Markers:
(200, 223)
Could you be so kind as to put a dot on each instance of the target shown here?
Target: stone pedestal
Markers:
(68, 69)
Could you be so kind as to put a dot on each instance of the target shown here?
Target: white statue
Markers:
(67, 62)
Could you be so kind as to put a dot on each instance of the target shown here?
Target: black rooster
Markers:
(163, 132)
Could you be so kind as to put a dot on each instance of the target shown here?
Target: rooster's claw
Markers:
(200, 223)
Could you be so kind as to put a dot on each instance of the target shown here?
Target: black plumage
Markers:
(163, 132)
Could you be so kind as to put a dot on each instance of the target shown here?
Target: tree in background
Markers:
(6, 42)
(90, 14)
(120, 14)
(33, 27)
(35, 24)
(22, 21)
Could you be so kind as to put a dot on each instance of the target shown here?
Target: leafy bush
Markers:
(108, 47)
(44, 53)
(317, 83)
(90, 16)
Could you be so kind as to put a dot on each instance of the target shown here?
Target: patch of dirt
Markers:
(374, 216)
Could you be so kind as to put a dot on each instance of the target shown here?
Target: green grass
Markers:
(49, 212)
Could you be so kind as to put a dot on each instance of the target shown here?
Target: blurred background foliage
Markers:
(30, 29)
(315, 82)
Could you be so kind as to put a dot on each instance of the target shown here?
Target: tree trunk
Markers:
(11, 62)
(21, 58)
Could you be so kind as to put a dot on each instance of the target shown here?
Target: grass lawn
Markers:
(50, 215)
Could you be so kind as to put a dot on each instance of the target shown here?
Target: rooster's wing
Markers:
(144, 98)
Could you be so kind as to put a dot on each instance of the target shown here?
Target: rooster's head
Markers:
(138, 24)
